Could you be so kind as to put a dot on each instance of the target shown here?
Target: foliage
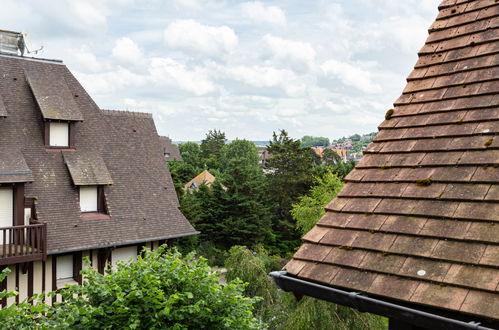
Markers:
(314, 141)
(238, 213)
(290, 175)
(211, 148)
(310, 208)
(280, 310)
(331, 157)
(161, 290)
(192, 154)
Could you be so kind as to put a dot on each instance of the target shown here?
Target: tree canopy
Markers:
(160, 290)
(314, 141)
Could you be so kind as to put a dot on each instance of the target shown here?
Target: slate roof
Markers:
(169, 148)
(142, 202)
(87, 169)
(3, 110)
(418, 218)
(52, 95)
(13, 167)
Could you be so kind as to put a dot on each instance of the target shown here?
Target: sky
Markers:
(248, 68)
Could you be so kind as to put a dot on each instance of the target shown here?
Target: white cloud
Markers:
(257, 11)
(193, 37)
(174, 74)
(300, 55)
(350, 75)
(127, 51)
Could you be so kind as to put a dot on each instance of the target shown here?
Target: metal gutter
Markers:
(123, 243)
(370, 305)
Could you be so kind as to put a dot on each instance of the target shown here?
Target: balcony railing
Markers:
(23, 243)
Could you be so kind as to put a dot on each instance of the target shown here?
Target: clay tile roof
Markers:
(13, 167)
(418, 218)
(204, 177)
(87, 168)
(52, 94)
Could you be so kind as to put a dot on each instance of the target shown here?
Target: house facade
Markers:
(75, 181)
(414, 233)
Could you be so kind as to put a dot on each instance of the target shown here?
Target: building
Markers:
(414, 234)
(170, 151)
(75, 181)
(205, 178)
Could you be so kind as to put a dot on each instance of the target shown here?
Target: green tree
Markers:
(310, 208)
(211, 148)
(290, 175)
(248, 217)
(330, 157)
(159, 291)
(314, 141)
(280, 310)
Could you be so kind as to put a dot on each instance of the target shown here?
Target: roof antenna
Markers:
(14, 43)
(23, 43)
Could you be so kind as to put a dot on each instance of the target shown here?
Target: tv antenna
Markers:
(14, 43)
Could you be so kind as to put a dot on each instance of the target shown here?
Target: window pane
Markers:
(59, 134)
(124, 254)
(88, 198)
(65, 266)
(6, 209)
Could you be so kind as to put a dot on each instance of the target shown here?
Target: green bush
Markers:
(161, 290)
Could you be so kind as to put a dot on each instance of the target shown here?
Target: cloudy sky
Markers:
(324, 68)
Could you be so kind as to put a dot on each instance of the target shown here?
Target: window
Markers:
(89, 199)
(59, 134)
(68, 269)
(124, 254)
(6, 208)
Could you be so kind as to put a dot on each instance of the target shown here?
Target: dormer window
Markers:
(88, 198)
(59, 134)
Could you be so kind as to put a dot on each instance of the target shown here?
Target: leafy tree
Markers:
(290, 175)
(314, 141)
(182, 173)
(280, 310)
(310, 208)
(192, 154)
(158, 291)
(330, 157)
(211, 148)
(248, 217)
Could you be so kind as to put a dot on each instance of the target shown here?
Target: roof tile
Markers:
(481, 303)
(473, 277)
(438, 295)
(458, 251)
(403, 224)
(425, 269)
(393, 286)
(417, 246)
(353, 279)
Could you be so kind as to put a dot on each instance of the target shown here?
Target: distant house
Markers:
(340, 152)
(203, 178)
(170, 151)
(414, 234)
(264, 155)
(75, 181)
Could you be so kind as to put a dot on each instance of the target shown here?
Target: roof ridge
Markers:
(35, 59)
(111, 112)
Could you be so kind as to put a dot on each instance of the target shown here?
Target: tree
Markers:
(310, 208)
(160, 290)
(248, 217)
(290, 175)
(211, 148)
(192, 154)
(314, 141)
(280, 310)
(330, 157)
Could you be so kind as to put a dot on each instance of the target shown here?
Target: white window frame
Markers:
(59, 134)
(89, 198)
